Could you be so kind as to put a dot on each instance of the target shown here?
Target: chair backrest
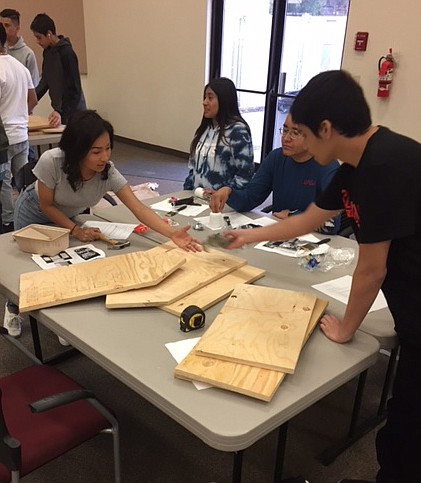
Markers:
(25, 176)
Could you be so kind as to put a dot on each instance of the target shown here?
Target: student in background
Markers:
(60, 71)
(4, 145)
(380, 174)
(221, 153)
(292, 176)
(16, 47)
(74, 176)
(17, 98)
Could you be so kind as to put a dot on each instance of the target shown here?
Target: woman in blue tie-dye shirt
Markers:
(221, 153)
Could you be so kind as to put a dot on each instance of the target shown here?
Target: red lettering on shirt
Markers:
(309, 182)
(351, 209)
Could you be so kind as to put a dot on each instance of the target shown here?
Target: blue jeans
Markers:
(17, 158)
(27, 209)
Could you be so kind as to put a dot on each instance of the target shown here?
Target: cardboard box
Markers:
(42, 239)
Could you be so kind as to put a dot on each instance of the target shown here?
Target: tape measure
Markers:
(192, 318)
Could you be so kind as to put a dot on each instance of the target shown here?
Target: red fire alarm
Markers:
(361, 39)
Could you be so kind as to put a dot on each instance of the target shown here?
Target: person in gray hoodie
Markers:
(60, 75)
(15, 45)
(17, 48)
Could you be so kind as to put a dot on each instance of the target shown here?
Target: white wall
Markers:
(146, 67)
(390, 24)
(147, 59)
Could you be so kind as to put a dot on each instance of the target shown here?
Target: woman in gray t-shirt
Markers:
(76, 175)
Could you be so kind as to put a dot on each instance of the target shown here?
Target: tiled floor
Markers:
(140, 165)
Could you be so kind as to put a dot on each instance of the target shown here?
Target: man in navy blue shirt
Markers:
(290, 173)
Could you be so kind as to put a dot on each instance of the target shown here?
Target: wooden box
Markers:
(42, 240)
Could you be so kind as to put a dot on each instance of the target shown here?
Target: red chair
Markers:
(43, 414)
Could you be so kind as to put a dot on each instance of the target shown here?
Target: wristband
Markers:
(73, 229)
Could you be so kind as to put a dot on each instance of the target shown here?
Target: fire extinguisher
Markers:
(385, 67)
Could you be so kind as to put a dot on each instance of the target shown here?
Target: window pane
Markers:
(245, 42)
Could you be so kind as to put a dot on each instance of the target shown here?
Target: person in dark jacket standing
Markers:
(60, 75)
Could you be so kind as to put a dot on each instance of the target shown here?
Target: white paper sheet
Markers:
(340, 288)
(116, 231)
(180, 349)
(70, 256)
(190, 210)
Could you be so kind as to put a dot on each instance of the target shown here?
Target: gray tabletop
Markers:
(129, 343)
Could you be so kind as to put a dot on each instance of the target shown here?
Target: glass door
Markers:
(270, 49)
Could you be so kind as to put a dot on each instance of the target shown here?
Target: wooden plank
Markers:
(260, 326)
(99, 277)
(216, 291)
(199, 270)
(248, 380)
(54, 130)
(37, 123)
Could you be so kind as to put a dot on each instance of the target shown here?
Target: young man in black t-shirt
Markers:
(379, 186)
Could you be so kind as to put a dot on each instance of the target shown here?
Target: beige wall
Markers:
(390, 24)
(146, 67)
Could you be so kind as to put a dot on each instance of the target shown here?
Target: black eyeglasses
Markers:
(294, 133)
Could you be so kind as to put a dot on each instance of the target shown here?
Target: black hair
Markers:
(3, 35)
(228, 112)
(82, 130)
(12, 14)
(336, 97)
(42, 23)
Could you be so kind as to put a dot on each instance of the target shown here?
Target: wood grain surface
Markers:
(199, 270)
(244, 379)
(37, 123)
(260, 326)
(214, 292)
(100, 277)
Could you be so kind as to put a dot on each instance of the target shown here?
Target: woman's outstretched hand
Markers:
(185, 241)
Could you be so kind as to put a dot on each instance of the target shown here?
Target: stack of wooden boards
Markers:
(254, 341)
(165, 277)
(40, 124)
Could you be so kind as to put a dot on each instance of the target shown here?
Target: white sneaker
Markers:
(12, 322)
(63, 341)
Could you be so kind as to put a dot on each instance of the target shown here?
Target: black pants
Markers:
(399, 441)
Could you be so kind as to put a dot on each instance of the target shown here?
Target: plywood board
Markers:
(37, 123)
(199, 270)
(260, 326)
(216, 291)
(248, 380)
(54, 130)
(87, 280)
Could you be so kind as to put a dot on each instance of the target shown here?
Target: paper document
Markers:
(115, 231)
(340, 288)
(70, 256)
(179, 350)
(293, 248)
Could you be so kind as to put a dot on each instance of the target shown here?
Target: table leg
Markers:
(237, 466)
(280, 452)
(62, 356)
